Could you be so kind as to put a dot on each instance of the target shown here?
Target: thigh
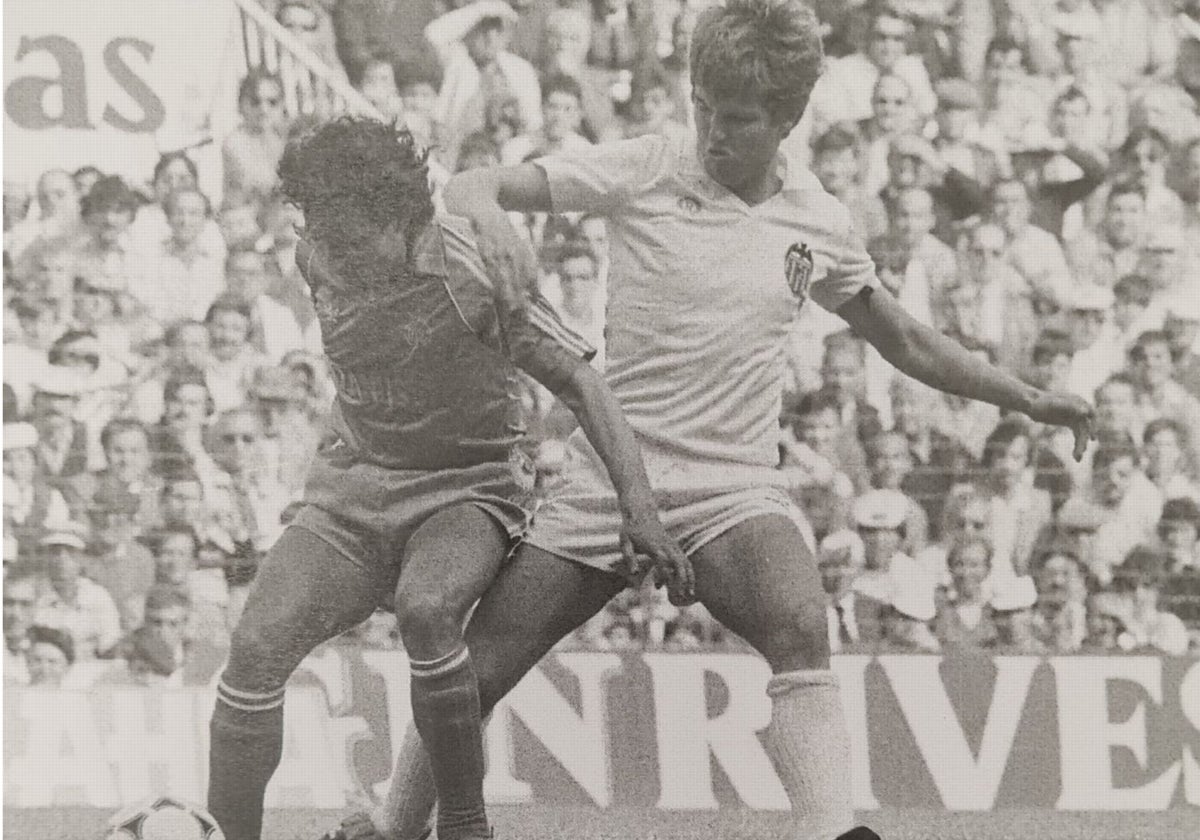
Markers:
(537, 599)
(448, 564)
(760, 580)
(305, 593)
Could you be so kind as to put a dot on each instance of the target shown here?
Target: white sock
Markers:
(808, 741)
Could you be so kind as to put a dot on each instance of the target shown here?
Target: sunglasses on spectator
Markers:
(987, 252)
(896, 101)
(267, 101)
(238, 437)
(973, 524)
(310, 26)
(889, 36)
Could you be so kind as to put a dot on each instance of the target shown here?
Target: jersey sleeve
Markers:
(852, 270)
(604, 177)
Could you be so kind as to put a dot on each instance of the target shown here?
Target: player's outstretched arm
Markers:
(940, 362)
(583, 391)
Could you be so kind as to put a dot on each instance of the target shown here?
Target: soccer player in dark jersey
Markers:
(423, 491)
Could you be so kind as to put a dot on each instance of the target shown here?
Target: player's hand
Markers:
(1065, 410)
(508, 258)
(646, 546)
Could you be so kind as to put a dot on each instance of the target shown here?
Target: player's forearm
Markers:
(608, 431)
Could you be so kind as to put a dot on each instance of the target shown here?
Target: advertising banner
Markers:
(667, 730)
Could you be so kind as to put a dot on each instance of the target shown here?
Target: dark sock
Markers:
(246, 744)
(445, 702)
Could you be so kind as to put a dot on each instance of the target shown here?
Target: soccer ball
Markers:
(163, 818)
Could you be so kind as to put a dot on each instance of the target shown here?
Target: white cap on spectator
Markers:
(20, 436)
(843, 542)
(914, 600)
(63, 537)
(58, 381)
(1184, 307)
(880, 509)
(1013, 593)
(1088, 297)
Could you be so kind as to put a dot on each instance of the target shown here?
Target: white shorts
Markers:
(581, 520)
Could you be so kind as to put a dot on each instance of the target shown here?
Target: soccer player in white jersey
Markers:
(716, 243)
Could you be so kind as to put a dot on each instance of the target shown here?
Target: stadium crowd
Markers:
(1026, 174)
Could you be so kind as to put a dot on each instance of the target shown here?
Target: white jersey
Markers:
(703, 290)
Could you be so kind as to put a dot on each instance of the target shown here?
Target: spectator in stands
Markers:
(1107, 619)
(187, 269)
(30, 502)
(85, 177)
(890, 464)
(1165, 454)
(178, 438)
(562, 120)
(1132, 310)
(239, 223)
(837, 164)
(1019, 510)
(1158, 394)
(850, 617)
(108, 252)
(50, 656)
(1012, 100)
(567, 41)
(844, 92)
(1032, 251)
(173, 172)
(1179, 536)
(1190, 189)
(290, 437)
(992, 303)
(914, 162)
(364, 27)
(963, 611)
(251, 152)
(1136, 42)
(623, 34)
(377, 83)
(811, 464)
(1108, 112)
(1139, 582)
(878, 516)
(472, 45)
(274, 330)
(233, 358)
(1131, 502)
(1116, 409)
(119, 562)
(1182, 326)
(1097, 355)
(72, 603)
(104, 313)
(653, 106)
(1078, 522)
(309, 23)
(1051, 361)
(844, 380)
(892, 117)
(177, 555)
(928, 267)
(129, 462)
(17, 201)
(961, 141)
(1059, 618)
(58, 220)
(1143, 159)
(1112, 252)
(62, 447)
(20, 598)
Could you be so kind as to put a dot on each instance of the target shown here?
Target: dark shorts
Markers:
(369, 512)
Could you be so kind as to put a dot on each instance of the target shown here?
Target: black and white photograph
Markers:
(601, 419)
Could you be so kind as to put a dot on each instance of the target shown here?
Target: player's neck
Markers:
(757, 190)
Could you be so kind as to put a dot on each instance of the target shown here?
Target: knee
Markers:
(429, 623)
(798, 640)
(259, 658)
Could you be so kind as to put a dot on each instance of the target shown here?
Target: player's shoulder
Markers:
(447, 248)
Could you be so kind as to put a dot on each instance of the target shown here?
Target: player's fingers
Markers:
(1083, 435)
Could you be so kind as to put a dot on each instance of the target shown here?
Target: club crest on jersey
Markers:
(798, 266)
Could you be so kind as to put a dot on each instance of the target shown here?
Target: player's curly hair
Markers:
(353, 178)
(767, 46)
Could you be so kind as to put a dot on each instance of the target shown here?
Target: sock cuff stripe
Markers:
(224, 687)
(440, 666)
(792, 680)
(246, 707)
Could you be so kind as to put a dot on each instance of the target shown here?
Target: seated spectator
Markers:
(177, 440)
(1133, 313)
(992, 303)
(118, 561)
(1158, 394)
(1014, 102)
(961, 140)
(1034, 252)
(251, 152)
(173, 172)
(1165, 454)
(29, 501)
(562, 120)
(908, 624)
(653, 106)
(103, 385)
(1050, 359)
(119, 328)
(186, 350)
(187, 271)
(57, 221)
(1190, 191)
(1179, 536)
(892, 118)
(148, 662)
(927, 266)
(290, 436)
(70, 602)
(274, 330)
(1019, 510)
(233, 358)
(1097, 354)
(1139, 582)
(912, 161)
(20, 598)
(310, 23)
(1131, 502)
(890, 464)
(567, 42)
(50, 656)
(1111, 252)
(364, 27)
(62, 445)
(852, 618)
(1182, 326)
(845, 379)
(1143, 159)
(1168, 261)
(129, 462)
(108, 253)
(1059, 618)
(967, 515)
(472, 45)
(1079, 39)
(837, 164)
(812, 466)
(377, 82)
(1107, 620)
(879, 518)
(623, 34)
(1012, 614)
(963, 611)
